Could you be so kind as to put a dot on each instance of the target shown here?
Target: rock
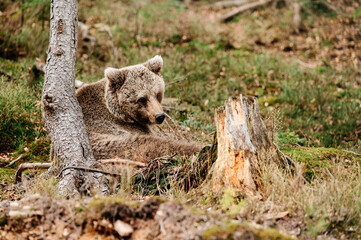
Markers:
(123, 229)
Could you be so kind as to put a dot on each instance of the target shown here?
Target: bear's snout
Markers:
(159, 118)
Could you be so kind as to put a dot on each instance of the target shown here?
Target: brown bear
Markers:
(120, 110)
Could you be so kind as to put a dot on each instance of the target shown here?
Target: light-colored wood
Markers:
(242, 143)
(241, 9)
(230, 3)
(25, 166)
(120, 161)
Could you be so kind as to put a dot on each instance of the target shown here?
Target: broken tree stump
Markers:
(243, 143)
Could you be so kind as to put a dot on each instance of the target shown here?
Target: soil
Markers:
(37, 217)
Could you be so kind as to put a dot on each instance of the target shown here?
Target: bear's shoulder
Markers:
(93, 90)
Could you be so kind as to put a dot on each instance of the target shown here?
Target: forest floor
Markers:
(308, 83)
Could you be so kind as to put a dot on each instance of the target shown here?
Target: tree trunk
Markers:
(62, 114)
(243, 144)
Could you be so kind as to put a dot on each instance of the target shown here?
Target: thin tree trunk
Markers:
(62, 114)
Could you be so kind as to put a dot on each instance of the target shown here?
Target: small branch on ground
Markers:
(331, 7)
(26, 166)
(175, 124)
(88, 170)
(14, 161)
(348, 151)
(241, 9)
(329, 173)
(119, 161)
(230, 3)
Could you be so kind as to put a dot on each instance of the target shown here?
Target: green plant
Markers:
(288, 138)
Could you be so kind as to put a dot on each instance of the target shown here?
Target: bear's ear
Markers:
(155, 64)
(116, 77)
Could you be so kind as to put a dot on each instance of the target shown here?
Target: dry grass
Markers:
(332, 200)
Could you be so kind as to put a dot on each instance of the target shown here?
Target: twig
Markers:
(230, 3)
(168, 125)
(331, 7)
(348, 151)
(164, 158)
(25, 166)
(285, 159)
(176, 81)
(14, 161)
(162, 229)
(307, 65)
(88, 170)
(241, 9)
(121, 161)
(329, 173)
(175, 124)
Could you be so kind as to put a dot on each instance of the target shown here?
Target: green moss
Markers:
(237, 231)
(99, 203)
(315, 160)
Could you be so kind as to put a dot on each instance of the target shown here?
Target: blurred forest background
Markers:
(300, 58)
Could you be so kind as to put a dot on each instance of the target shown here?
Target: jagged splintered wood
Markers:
(242, 144)
(62, 114)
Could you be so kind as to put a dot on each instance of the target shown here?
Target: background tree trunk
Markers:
(243, 143)
(62, 114)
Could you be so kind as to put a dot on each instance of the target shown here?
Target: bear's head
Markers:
(134, 94)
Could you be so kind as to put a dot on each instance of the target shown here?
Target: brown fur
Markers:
(119, 112)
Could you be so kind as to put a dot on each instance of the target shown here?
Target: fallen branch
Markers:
(26, 166)
(331, 7)
(348, 151)
(88, 170)
(241, 9)
(230, 3)
(329, 173)
(14, 161)
(119, 161)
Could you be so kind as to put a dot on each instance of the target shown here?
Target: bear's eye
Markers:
(159, 97)
(142, 100)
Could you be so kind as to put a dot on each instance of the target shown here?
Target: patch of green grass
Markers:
(7, 175)
(20, 118)
(315, 160)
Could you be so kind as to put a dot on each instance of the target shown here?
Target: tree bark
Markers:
(243, 143)
(62, 114)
